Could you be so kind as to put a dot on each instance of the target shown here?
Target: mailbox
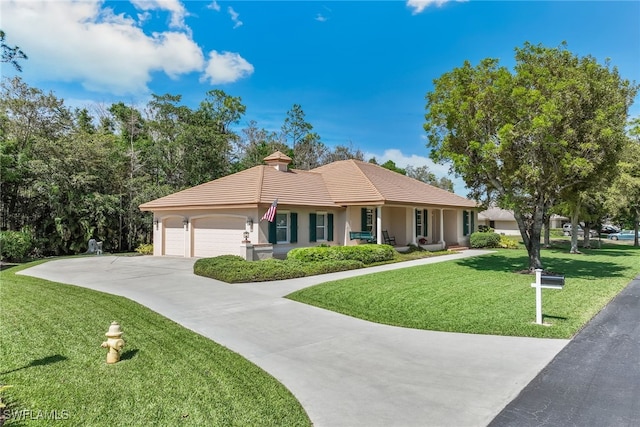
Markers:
(553, 282)
(545, 282)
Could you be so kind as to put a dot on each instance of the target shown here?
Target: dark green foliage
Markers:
(367, 254)
(15, 245)
(234, 269)
(72, 176)
(484, 240)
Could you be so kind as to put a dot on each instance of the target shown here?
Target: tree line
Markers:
(71, 174)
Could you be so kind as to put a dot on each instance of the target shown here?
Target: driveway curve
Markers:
(344, 371)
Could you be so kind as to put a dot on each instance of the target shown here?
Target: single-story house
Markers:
(503, 221)
(322, 205)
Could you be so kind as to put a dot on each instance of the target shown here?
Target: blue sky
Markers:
(360, 69)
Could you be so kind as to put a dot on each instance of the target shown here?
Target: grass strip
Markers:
(484, 295)
(50, 336)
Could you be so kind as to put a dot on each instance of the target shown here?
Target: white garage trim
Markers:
(217, 235)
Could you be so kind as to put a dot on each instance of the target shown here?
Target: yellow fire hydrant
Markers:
(114, 342)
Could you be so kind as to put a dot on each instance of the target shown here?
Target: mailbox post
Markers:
(547, 282)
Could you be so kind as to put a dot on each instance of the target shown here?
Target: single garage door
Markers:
(218, 235)
(173, 237)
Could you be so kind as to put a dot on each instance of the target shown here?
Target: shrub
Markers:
(508, 243)
(145, 249)
(15, 245)
(234, 269)
(367, 254)
(413, 248)
(484, 240)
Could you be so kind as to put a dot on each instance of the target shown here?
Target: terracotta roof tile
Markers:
(346, 182)
(353, 181)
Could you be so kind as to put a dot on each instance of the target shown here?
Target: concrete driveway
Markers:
(344, 371)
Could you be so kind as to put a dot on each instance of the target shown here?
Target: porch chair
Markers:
(388, 240)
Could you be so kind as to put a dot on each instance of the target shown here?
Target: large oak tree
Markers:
(527, 137)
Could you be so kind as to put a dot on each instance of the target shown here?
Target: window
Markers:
(282, 227)
(321, 226)
(492, 224)
(370, 220)
(422, 220)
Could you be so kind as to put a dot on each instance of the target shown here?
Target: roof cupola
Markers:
(278, 160)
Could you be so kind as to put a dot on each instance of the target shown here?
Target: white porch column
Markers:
(379, 224)
(413, 227)
(441, 226)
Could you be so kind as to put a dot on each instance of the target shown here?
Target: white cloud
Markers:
(215, 6)
(226, 67)
(320, 18)
(174, 7)
(419, 5)
(86, 42)
(403, 160)
(234, 17)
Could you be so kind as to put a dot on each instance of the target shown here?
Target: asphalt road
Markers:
(594, 380)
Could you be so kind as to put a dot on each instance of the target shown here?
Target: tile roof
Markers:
(345, 182)
(355, 181)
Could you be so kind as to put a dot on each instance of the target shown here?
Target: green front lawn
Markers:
(484, 295)
(50, 336)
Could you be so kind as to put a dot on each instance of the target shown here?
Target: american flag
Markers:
(270, 214)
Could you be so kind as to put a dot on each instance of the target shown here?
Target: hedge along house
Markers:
(322, 205)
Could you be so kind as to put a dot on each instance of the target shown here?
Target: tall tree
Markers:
(256, 144)
(209, 139)
(165, 152)
(624, 195)
(295, 127)
(518, 139)
(391, 165)
(30, 120)
(307, 148)
(11, 54)
(344, 152)
(424, 174)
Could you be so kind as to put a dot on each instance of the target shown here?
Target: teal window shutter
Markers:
(272, 233)
(312, 227)
(294, 227)
(330, 225)
(425, 223)
(363, 219)
(465, 223)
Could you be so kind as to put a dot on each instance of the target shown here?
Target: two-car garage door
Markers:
(219, 235)
(210, 236)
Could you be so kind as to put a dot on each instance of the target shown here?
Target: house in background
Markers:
(322, 205)
(503, 221)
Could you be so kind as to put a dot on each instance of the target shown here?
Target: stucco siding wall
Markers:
(452, 223)
(303, 231)
(394, 221)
